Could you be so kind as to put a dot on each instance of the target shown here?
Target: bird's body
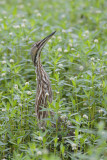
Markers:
(44, 91)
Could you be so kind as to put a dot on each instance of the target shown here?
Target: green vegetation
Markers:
(76, 62)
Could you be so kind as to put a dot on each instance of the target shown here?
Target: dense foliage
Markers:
(76, 62)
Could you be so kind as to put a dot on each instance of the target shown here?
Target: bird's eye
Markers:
(35, 44)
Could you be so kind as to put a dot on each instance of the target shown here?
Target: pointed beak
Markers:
(44, 41)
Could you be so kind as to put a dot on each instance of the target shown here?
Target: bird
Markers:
(44, 90)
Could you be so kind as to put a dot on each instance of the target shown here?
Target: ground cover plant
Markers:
(76, 62)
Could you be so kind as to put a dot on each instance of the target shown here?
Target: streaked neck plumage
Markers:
(44, 91)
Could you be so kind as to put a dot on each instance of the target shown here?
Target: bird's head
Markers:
(37, 47)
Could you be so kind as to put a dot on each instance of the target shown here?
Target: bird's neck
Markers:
(39, 65)
(39, 70)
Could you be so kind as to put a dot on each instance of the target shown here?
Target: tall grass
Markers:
(76, 62)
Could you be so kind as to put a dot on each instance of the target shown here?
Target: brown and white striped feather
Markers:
(43, 88)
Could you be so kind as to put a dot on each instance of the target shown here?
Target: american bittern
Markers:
(44, 91)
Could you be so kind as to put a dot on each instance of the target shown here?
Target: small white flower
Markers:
(28, 4)
(59, 112)
(59, 49)
(22, 25)
(11, 60)
(3, 109)
(40, 138)
(68, 123)
(85, 116)
(81, 68)
(29, 93)
(63, 117)
(19, 15)
(50, 41)
(92, 58)
(2, 42)
(24, 20)
(53, 37)
(4, 57)
(74, 146)
(16, 86)
(100, 111)
(84, 35)
(101, 85)
(65, 50)
(10, 33)
(105, 53)
(21, 6)
(63, 30)
(81, 76)
(95, 40)
(1, 19)
(42, 128)
(87, 31)
(36, 11)
(39, 153)
(72, 49)
(63, 16)
(45, 151)
(90, 87)
(72, 78)
(16, 26)
(60, 65)
(78, 55)
(90, 107)
(70, 44)
(3, 62)
(35, 114)
(57, 92)
(59, 37)
(47, 94)
(20, 104)
(84, 104)
(104, 134)
(23, 39)
(27, 83)
(70, 40)
(4, 12)
(38, 15)
(3, 74)
(98, 11)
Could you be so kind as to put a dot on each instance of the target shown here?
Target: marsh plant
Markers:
(76, 62)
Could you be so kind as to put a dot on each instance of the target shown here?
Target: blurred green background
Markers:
(76, 62)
